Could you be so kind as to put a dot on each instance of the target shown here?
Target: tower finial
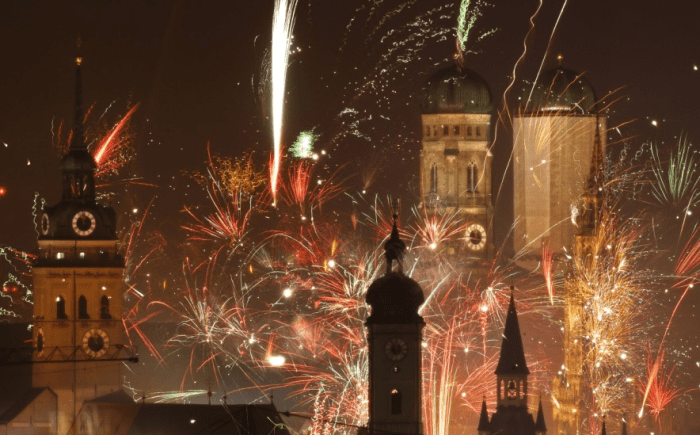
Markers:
(560, 59)
(78, 138)
(394, 247)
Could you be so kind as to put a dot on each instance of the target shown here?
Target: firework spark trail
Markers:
(547, 270)
(108, 148)
(546, 51)
(659, 390)
(282, 25)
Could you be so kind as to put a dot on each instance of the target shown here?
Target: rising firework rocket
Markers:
(282, 23)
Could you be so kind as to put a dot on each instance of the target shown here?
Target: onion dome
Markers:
(512, 358)
(394, 298)
(560, 89)
(455, 90)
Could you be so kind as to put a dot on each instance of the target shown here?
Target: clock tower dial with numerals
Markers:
(394, 335)
(78, 279)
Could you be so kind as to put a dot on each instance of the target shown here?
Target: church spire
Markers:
(592, 196)
(603, 431)
(540, 426)
(483, 419)
(512, 358)
(78, 138)
(394, 247)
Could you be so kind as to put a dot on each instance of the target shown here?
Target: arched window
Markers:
(512, 391)
(469, 130)
(104, 308)
(82, 308)
(445, 130)
(478, 131)
(427, 131)
(433, 179)
(456, 130)
(472, 177)
(61, 308)
(395, 402)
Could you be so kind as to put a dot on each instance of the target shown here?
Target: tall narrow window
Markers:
(433, 179)
(395, 402)
(445, 130)
(469, 130)
(478, 131)
(82, 308)
(427, 131)
(472, 177)
(61, 308)
(456, 130)
(512, 391)
(104, 308)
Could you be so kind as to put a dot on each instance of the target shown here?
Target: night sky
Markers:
(195, 68)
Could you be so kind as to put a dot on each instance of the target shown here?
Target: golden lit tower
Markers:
(553, 135)
(78, 278)
(455, 162)
(567, 388)
(394, 336)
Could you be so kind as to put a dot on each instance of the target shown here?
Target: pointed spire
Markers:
(78, 139)
(603, 432)
(394, 247)
(512, 358)
(560, 59)
(592, 195)
(540, 425)
(483, 418)
(624, 426)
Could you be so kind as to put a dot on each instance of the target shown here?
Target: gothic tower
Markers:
(78, 278)
(394, 335)
(567, 387)
(511, 416)
(553, 135)
(455, 162)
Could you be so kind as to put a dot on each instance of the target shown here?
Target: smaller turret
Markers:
(484, 427)
(540, 425)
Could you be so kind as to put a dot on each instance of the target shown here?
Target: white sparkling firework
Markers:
(282, 24)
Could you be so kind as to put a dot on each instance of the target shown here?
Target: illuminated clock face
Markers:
(44, 224)
(95, 343)
(84, 223)
(396, 349)
(40, 342)
(476, 237)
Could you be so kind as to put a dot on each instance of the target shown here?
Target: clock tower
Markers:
(455, 161)
(394, 335)
(78, 279)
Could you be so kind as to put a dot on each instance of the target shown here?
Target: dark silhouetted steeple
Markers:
(512, 359)
(540, 426)
(484, 418)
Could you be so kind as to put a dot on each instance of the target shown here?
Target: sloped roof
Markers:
(12, 409)
(512, 358)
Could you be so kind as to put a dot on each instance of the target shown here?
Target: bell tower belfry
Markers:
(394, 336)
(512, 416)
(455, 161)
(78, 276)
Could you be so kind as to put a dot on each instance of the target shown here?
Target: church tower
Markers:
(78, 279)
(512, 416)
(567, 386)
(455, 162)
(394, 336)
(553, 135)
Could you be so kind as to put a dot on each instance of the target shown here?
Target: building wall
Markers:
(551, 162)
